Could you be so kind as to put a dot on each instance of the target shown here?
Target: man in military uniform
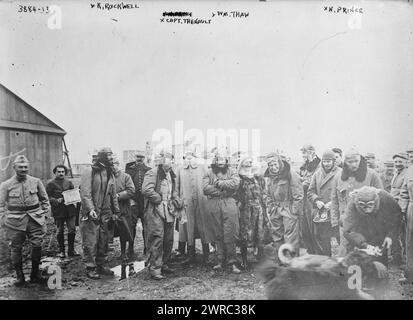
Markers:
(137, 172)
(23, 207)
(387, 174)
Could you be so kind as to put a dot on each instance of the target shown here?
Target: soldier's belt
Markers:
(23, 208)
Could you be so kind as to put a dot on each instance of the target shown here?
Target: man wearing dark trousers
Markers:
(137, 172)
(62, 213)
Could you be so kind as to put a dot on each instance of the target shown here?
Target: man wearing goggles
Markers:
(371, 221)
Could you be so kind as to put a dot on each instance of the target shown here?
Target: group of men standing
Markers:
(367, 205)
(222, 205)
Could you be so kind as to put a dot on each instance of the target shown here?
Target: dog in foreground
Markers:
(316, 277)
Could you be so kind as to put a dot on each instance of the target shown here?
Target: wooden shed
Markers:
(24, 130)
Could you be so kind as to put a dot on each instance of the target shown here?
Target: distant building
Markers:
(78, 168)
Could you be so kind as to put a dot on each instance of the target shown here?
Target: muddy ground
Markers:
(187, 283)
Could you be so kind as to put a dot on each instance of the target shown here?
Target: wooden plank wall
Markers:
(44, 151)
(14, 109)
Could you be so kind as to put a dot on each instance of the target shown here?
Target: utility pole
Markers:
(66, 156)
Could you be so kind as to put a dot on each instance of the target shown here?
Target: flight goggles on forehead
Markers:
(366, 205)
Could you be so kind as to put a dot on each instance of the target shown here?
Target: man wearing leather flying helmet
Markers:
(372, 220)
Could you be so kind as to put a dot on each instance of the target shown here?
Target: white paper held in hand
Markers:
(71, 196)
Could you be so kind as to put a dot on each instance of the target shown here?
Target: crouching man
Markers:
(99, 205)
(160, 194)
(371, 221)
(23, 207)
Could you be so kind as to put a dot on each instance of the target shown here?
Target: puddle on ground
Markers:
(137, 265)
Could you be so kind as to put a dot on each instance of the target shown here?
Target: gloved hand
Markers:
(373, 250)
(93, 215)
(369, 247)
(319, 204)
(116, 217)
(178, 203)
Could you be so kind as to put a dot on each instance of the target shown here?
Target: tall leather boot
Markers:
(61, 242)
(190, 260)
(132, 271)
(144, 244)
(181, 247)
(260, 253)
(180, 257)
(131, 251)
(19, 275)
(35, 276)
(123, 270)
(244, 253)
(71, 244)
(144, 239)
(205, 254)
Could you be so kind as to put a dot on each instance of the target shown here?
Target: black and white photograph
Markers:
(206, 151)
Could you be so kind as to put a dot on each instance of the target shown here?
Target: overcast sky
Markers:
(293, 71)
